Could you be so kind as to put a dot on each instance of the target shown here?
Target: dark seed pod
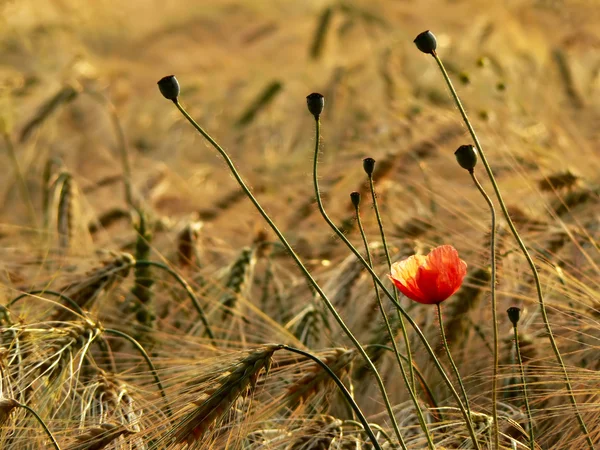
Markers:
(315, 103)
(169, 87)
(426, 42)
(369, 165)
(355, 197)
(466, 155)
(514, 314)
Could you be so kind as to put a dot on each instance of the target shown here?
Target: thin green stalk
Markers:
(389, 263)
(24, 190)
(188, 290)
(288, 247)
(410, 386)
(523, 248)
(386, 399)
(494, 307)
(454, 368)
(347, 395)
(140, 349)
(465, 413)
(43, 424)
(524, 381)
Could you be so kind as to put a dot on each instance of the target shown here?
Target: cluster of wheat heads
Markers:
(174, 350)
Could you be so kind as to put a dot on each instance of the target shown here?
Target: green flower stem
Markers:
(188, 291)
(524, 381)
(410, 320)
(389, 263)
(42, 423)
(454, 368)
(288, 247)
(140, 349)
(523, 248)
(343, 389)
(494, 308)
(409, 385)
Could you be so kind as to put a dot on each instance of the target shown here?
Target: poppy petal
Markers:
(403, 274)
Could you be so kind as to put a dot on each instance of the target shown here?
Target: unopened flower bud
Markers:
(466, 155)
(369, 165)
(426, 42)
(514, 314)
(315, 103)
(355, 197)
(169, 87)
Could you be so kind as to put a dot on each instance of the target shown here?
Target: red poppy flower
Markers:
(430, 279)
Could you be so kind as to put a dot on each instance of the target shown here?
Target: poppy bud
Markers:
(315, 103)
(355, 197)
(426, 42)
(466, 155)
(514, 314)
(169, 87)
(369, 165)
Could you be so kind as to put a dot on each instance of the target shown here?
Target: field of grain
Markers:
(146, 304)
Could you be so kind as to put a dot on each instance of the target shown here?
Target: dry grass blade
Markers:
(317, 434)
(98, 438)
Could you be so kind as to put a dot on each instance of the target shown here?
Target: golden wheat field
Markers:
(147, 303)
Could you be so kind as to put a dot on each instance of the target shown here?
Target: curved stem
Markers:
(140, 349)
(389, 263)
(410, 386)
(386, 400)
(188, 290)
(454, 368)
(494, 308)
(513, 229)
(316, 286)
(43, 424)
(524, 381)
(72, 303)
(344, 390)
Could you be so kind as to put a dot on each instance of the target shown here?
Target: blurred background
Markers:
(78, 92)
(528, 73)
